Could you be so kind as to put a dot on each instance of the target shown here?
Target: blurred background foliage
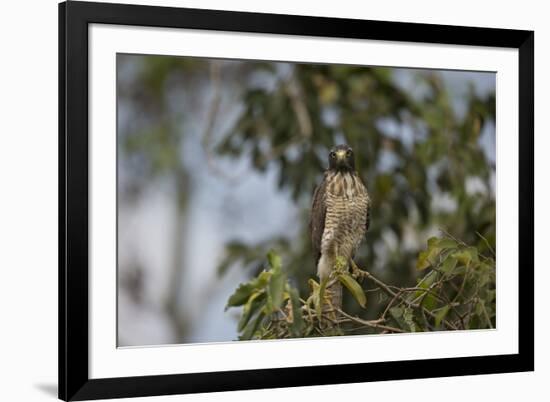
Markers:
(424, 142)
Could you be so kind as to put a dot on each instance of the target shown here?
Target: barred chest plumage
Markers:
(347, 203)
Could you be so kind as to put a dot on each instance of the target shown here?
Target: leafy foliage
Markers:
(262, 299)
(355, 289)
(457, 292)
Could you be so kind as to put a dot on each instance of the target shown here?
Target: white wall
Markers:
(28, 201)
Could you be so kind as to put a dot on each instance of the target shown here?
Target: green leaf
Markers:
(276, 290)
(446, 243)
(276, 285)
(474, 254)
(396, 312)
(486, 274)
(428, 257)
(297, 325)
(408, 317)
(274, 260)
(448, 265)
(245, 290)
(433, 242)
(252, 326)
(428, 280)
(422, 261)
(429, 301)
(356, 290)
(315, 293)
(489, 268)
(467, 256)
(440, 315)
(425, 259)
(254, 304)
(463, 257)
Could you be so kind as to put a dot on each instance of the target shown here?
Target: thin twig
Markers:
(487, 244)
(372, 324)
(390, 304)
(390, 292)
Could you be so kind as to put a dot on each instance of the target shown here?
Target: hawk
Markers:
(339, 214)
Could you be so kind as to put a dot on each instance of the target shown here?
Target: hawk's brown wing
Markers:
(317, 219)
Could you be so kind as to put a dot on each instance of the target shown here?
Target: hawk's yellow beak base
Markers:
(341, 155)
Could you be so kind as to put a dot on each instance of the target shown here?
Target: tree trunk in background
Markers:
(173, 306)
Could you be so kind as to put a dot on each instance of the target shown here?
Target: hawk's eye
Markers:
(333, 155)
(349, 152)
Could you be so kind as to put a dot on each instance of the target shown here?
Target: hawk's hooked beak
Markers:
(341, 155)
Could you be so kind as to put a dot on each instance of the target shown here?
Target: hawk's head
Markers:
(341, 159)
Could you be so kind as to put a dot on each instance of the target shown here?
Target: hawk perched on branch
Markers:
(339, 214)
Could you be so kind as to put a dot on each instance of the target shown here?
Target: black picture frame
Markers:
(74, 18)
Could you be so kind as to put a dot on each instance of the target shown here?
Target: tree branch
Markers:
(372, 323)
(365, 274)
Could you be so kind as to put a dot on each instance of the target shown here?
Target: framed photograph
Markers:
(257, 200)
